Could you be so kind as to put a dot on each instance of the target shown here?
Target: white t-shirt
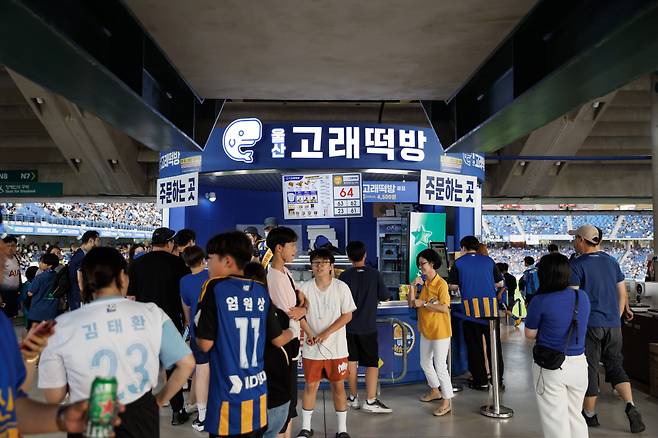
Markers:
(325, 307)
(110, 337)
(12, 273)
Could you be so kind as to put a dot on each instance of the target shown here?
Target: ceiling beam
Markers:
(563, 54)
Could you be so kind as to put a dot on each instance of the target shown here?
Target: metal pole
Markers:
(654, 149)
(496, 410)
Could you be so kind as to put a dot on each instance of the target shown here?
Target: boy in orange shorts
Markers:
(330, 306)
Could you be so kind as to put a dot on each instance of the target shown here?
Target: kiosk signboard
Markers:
(390, 191)
(451, 190)
(322, 196)
(178, 191)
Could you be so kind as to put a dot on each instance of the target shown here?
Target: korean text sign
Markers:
(319, 196)
(178, 191)
(390, 191)
(448, 189)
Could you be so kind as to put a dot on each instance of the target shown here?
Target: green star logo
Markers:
(421, 235)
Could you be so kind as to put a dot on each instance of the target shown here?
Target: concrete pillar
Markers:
(654, 152)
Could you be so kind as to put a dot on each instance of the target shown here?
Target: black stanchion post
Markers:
(495, 410)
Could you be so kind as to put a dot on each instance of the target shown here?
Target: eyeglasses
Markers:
(320, 263)
(422, 263)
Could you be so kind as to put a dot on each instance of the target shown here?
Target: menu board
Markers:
(322, 196)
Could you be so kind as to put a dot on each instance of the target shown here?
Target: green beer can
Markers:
(102, 407)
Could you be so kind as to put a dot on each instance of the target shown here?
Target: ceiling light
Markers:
(389, 171)
(211, 196)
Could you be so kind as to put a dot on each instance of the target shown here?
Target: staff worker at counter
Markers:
(435, 330)
(478, 280)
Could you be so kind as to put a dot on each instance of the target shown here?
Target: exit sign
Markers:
(30, 175)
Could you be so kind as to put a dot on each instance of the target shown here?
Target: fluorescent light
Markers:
(389, 171)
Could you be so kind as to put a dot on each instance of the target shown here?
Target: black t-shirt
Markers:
(155, 278)
(278, 360)
(368, 288)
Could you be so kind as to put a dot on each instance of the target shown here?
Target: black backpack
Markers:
(61, 287)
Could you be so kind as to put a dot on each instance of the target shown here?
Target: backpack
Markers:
(531, 280)
(61, 287)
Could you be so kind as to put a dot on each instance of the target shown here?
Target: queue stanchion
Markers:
(495, 410)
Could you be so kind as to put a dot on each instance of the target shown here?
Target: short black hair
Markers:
(184, 236)
(356, 250)
(50, 259)
(31, 272)
(502, 267)
(89, 235)
(431, 256)
(529, 260)
(280, 236)
(471, 243)
(233, 243)
(554, 273)
(53, 248)
(193, 255)
(255, 271)
(100, 268)
(322, 253)
(553, 248)
(10, 239)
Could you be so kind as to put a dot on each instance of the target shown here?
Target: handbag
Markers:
(552, 359)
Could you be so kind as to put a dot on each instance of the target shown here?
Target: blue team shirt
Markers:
(233, 314)
(43, 305)
(551, 313)
(598, 274)
(476, 276)
(12, 375)
(190, 290)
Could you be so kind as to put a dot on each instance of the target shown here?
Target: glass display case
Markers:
(392, 251)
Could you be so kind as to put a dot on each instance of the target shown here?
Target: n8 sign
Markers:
(347, 192)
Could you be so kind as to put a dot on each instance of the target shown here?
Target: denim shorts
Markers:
(276, 418)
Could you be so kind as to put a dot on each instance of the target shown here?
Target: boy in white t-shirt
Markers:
(330, 306)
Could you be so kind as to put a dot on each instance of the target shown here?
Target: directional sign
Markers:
(30, 175)
(30, 189)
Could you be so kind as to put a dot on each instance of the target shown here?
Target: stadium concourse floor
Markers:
(411, 418)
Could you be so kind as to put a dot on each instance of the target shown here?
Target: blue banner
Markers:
(390, 191)
(248, 144)
(54, 230)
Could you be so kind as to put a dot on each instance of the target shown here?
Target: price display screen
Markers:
(321, 196)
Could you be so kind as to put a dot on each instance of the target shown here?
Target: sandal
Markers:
(440, 412)
(431, 396)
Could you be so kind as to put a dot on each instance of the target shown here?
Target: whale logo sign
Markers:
(241, 134)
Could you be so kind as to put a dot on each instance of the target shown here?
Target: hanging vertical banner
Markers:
(447, 189)
(178, 191)
(424, 228)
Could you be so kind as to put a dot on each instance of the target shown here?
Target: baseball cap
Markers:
(271, 222)
(162, 236)
(588, 232)
(251, 230)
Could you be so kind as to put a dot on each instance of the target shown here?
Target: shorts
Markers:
(334, 370)
(199, 356)
(603, 345)
(363, 349)
(277, 418)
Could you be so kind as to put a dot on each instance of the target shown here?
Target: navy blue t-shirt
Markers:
(476, 275)
(74, 265)
(598, 273)
(44, 305)
(551, 313)
(368, 288)
(190, 290)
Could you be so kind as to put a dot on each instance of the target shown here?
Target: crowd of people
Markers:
(538, 225)
(232, 316)
(636, 226)
(133, 214)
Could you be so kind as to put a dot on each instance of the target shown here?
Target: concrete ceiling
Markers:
(336, 50)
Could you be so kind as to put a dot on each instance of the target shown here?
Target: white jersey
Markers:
(325, 307)
(109, 337)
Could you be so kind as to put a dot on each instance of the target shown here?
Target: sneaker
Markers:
(592, 421)
(343, 435)
(635, 419)
(430, 396)
(179, 418)
(477, 387)
(376, 407)
(190, 408)
(353, 402)
(198, 425)
(305, 433)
